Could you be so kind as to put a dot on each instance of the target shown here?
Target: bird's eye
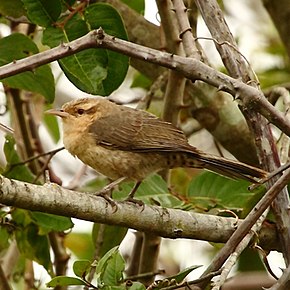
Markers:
(81, 111)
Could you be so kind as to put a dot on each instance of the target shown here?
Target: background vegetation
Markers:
(228, 94)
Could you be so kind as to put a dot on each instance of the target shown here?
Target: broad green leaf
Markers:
(212, 190)
(39, 80)
(19, 171)
(12, 8)
(112, 236)
(81, 267)
(43, 12)
(137, 5)
(250, 261)
(105, 16)
(153, 190)
(65, 281)
(33, 245)
(51, 222)
(95, 71)
(68, 2)
(110, 268)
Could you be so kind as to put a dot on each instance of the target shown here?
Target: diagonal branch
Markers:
(191, 68)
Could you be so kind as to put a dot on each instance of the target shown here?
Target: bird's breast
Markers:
(111, 162)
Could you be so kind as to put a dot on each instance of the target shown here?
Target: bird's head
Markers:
(82, 112)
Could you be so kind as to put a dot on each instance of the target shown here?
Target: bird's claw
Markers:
(104, 194)
(135, 201)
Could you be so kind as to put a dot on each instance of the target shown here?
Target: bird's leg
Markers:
(131, 198)
(106, 191)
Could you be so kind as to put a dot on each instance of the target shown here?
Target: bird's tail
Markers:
(223, 166)
(234, 169)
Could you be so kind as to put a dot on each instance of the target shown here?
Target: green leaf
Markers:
(80, 244)
(19, 172)
(52, 222)
(42, 12)
(12, 8)
(182, 274)
(40, 80)
(112, 236)
(65, 281)
(21, 217)
(152, 190)
(250, 261)
(95, 71)
(81, 267)
(137, 5)
(110, 268)
(213, 190)
(33, 245)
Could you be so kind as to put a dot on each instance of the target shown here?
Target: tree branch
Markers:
(54, 199)
(191, 68)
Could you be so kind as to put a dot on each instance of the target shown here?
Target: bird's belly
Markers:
(115, 163)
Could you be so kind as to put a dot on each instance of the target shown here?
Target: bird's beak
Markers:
(58, 113)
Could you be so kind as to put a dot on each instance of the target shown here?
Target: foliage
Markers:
(109, 272)
(50, 240)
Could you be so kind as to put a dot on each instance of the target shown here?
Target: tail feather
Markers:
(223, 166)
(233, 169)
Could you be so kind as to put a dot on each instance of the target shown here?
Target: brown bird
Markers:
(124, 143)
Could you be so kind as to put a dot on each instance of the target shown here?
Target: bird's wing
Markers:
(135, 130)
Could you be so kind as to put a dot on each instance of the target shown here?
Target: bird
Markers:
(124, 143)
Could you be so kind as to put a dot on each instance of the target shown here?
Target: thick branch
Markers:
(169, 223)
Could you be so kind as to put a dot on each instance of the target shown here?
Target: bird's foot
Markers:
(105, 194)
(135, 201)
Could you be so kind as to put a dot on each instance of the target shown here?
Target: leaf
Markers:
(112, 237)
(40, 80)
(80, 244)
(152, 190)
(110, 268)
(81, 267)
(19, 172)
(51, 222)
(137, 5)
(182, 274)
(42, 12)
(213, 190)
(65, 281)
(95, 71)
(33, 245)
(12, 8)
